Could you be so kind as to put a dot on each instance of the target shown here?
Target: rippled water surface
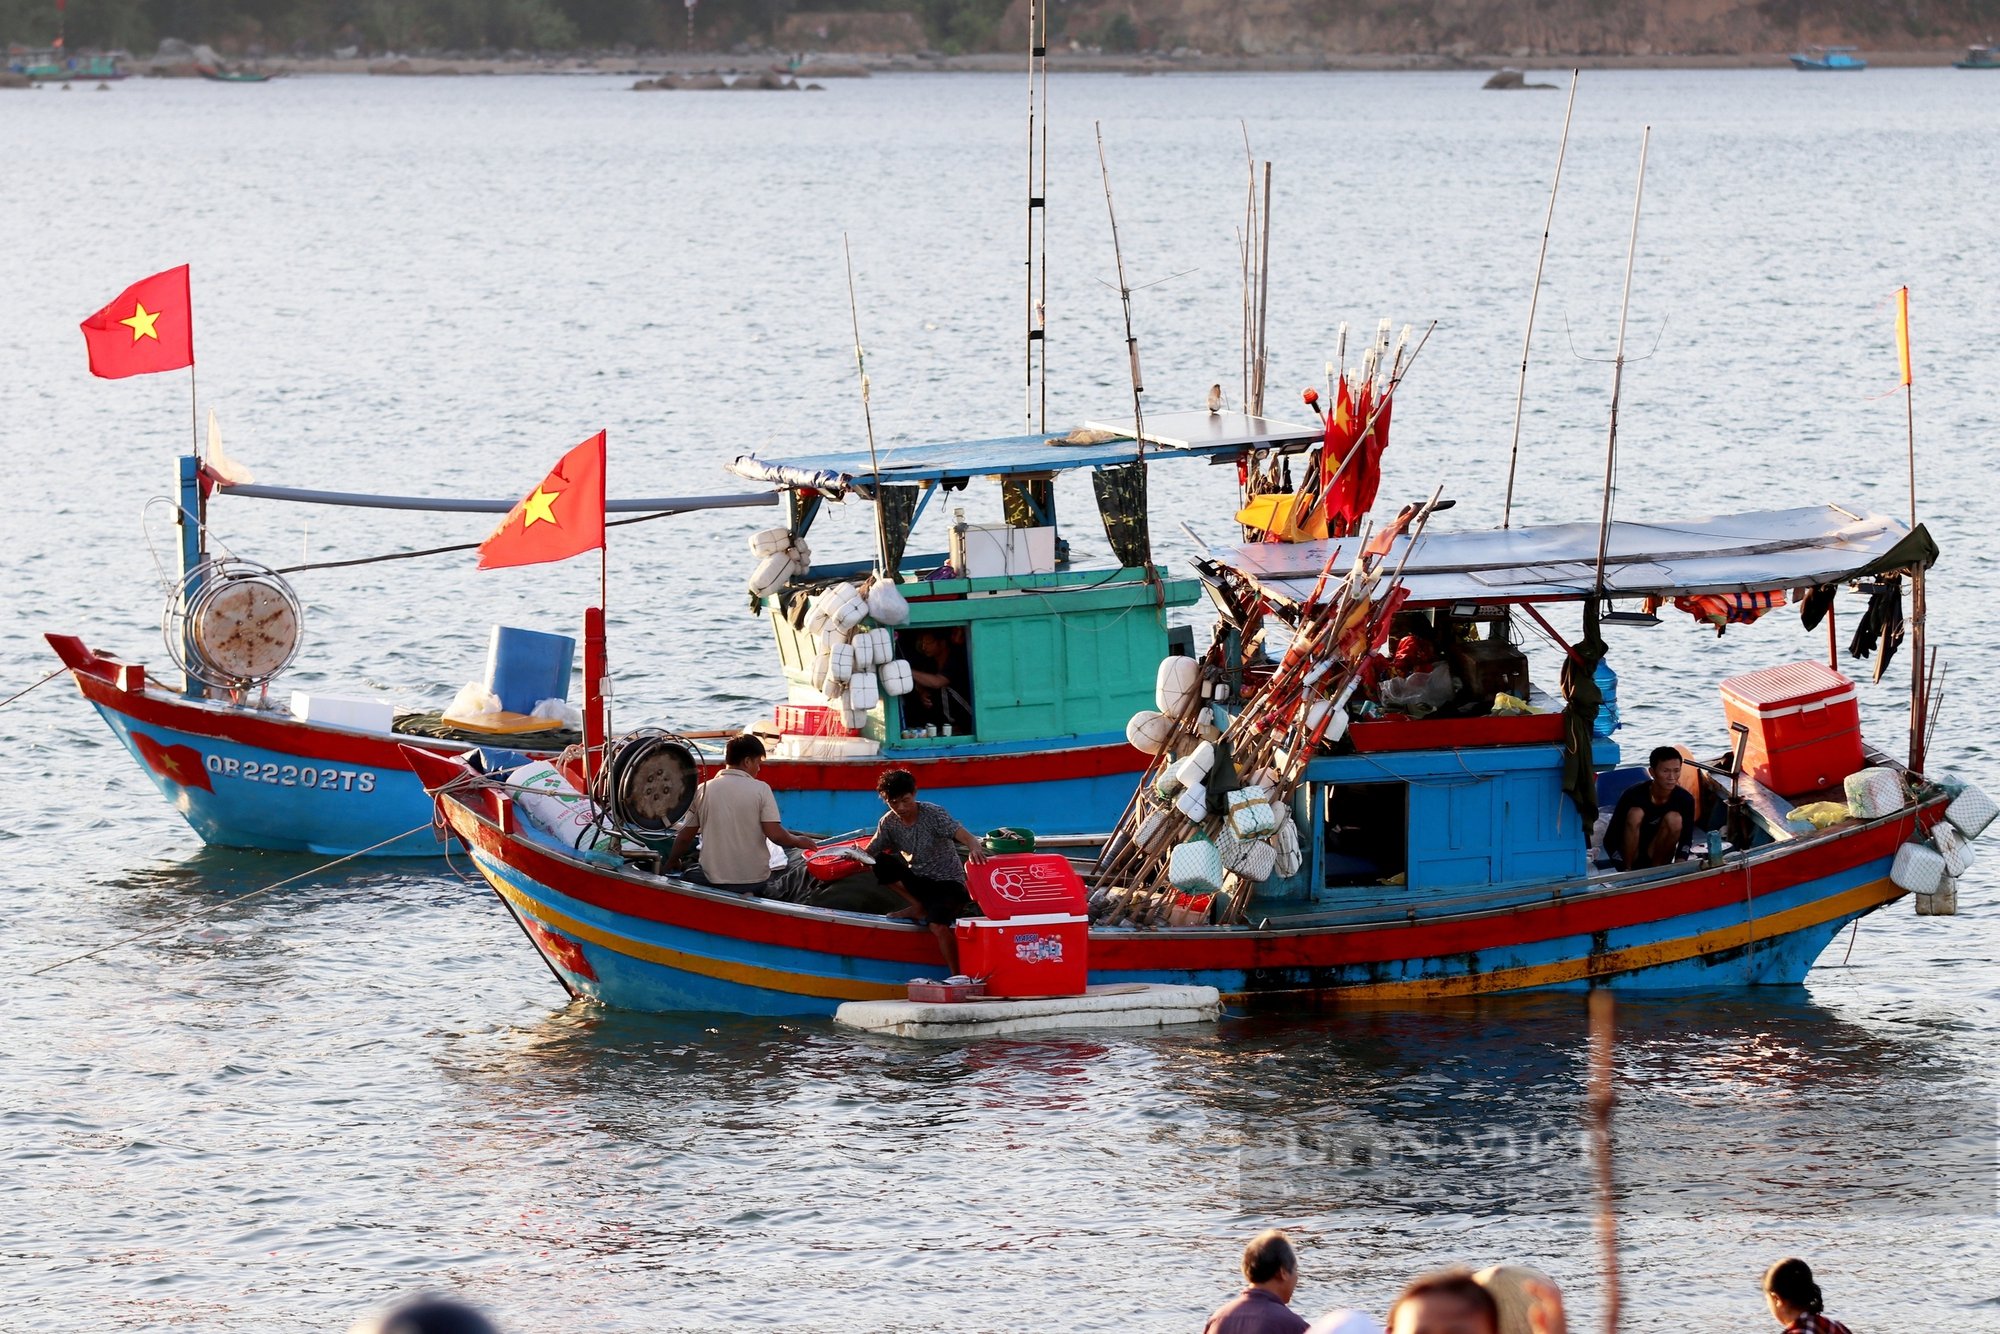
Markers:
(307, 1102)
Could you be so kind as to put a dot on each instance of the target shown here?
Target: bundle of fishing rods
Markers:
(1297, 708)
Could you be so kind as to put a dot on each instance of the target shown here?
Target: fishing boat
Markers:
(217, 75)
(1979, 57)
(1046, 658)
(1828, 58)
(53, 66)
(1435, 855)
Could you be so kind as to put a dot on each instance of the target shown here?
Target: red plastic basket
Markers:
(810, 720)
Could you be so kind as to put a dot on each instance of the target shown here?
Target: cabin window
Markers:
(941, 695)
(1367, 833)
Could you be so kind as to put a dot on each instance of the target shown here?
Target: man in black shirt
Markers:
(1654, 820)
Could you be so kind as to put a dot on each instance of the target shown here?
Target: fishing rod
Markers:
(1618, 364)
(1534, 298)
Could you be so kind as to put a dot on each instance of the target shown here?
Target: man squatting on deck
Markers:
(734, 812)
(914, 855)
(1654, 821)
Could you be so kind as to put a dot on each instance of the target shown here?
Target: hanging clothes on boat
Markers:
(1881, 629)
(1723, 610)
(1816, 603)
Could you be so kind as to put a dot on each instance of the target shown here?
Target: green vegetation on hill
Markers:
(493, 27)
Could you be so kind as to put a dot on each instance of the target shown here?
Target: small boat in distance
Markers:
(1979, 57)
(215, 75)
(1828, 58)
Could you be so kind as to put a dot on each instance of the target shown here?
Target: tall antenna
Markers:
(867, 417)
(1263, 298)
(1618, 364)
(1534, 297)
(1038, 193)
(1124, 296)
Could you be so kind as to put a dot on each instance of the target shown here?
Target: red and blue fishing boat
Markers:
(1044, 658)
(1438, 854)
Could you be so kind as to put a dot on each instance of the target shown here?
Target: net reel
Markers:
(646, 782)
(233, 624)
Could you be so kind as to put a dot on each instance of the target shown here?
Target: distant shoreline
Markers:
(832, 65)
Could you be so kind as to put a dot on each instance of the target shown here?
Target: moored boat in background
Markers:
(1828, 59)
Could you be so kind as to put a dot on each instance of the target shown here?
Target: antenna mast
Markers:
(1038, 193)
(1125, 298)
(1534, 298)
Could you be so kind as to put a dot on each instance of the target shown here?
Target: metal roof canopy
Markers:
(1753, 552)
(1171, 435)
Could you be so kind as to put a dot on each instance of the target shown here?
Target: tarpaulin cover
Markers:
(1729, 553)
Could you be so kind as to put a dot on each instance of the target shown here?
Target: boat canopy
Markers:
(1754, 552)
(1209, 435)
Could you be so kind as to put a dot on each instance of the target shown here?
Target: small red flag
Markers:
(562, 517)
(149, 327)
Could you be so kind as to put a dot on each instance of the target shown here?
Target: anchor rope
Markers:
(226, 903)
(44, 681)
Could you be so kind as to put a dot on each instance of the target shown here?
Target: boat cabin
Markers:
(1011, 643)
(1459, 773)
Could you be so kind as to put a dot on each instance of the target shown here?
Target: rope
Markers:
(44, 681)
(440, 551)
(227, 903)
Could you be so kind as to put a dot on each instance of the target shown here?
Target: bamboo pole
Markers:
(1602, 1037)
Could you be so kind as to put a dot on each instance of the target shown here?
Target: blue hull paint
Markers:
(1058, 806)
(344, 809)
(627, 982)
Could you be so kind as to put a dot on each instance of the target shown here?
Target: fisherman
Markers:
(914, 854)
(1653, 822)
(735, 812)
(1795, 1299)
(1450, 1301)
(1271, 1269)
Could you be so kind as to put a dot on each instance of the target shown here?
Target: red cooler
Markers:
(1035, 937)
(1805, 726)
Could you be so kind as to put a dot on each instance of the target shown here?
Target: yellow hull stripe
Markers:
(1860, 899)
(745, 974)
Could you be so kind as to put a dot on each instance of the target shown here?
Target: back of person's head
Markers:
(1791, 1282)
(896, 784)
(1661, 754)
(1268, 1255)
(426, 1315)
(1450, 1301)
(1507, 1285)
(748, 746)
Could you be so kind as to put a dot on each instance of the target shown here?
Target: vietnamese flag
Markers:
(562, 517)
(148, 327)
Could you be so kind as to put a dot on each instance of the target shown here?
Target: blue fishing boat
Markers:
(1828, 58)
(1435, 854)
(1043, 659)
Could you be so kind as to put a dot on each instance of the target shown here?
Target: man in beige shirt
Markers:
(735, 812)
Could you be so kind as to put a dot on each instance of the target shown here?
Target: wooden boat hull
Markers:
(254, 778)
(644, 943)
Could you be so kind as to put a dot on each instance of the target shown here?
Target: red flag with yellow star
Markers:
(562, 517)
(148, 328)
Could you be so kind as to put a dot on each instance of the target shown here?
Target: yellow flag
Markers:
(1903, 330)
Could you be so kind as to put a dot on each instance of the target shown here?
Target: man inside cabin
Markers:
(1653, 823)
(735, 812)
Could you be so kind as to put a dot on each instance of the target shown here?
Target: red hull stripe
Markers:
(285, 737)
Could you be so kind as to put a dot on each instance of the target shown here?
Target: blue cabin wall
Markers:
(1475, 817)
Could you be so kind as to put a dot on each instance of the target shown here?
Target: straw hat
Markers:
(1507, 1286)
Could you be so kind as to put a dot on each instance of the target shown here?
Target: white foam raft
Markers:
(1124, 1005)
